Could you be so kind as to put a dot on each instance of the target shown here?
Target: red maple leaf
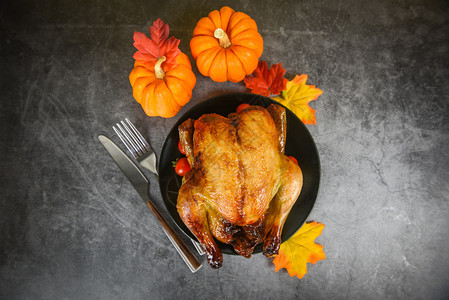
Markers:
(266, 81)
(158, 45)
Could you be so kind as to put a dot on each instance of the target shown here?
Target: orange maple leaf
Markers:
(297, 96)
(158, 45)
(266, 81)
(296, 252)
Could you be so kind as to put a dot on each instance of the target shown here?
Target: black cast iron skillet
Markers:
(299, 144)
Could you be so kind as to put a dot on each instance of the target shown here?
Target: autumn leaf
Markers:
(297, 96)
(266, 81)
(158, 45)
(300, 249)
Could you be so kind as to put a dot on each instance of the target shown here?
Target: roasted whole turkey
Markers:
(241, 186)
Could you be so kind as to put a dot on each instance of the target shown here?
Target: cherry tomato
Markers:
(242, 107)
(180, 148)
(182, 166)
(294, 159)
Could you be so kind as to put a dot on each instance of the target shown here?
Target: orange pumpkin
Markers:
(226, 45)
(162, 93)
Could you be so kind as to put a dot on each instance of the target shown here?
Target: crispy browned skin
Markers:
(241, 186)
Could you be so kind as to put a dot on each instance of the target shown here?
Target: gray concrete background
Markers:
(72, 227)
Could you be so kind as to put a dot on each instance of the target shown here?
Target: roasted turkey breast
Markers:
(241, 186)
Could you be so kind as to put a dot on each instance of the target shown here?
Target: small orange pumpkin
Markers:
(226, 45)
(162, 93)
(162, 78)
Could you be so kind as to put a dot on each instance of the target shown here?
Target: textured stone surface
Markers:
(72, 227)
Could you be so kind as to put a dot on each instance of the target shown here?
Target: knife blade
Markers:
(141, 183)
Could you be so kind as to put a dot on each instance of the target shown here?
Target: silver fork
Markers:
(142, 152)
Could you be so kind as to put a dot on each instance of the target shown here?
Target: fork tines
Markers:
(132, 138)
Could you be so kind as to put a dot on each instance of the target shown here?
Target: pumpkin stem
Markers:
(222, 37)
(158, 72)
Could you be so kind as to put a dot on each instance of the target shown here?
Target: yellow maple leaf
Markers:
(297, 96)
(296, 252)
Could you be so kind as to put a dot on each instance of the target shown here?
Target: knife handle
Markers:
(192, 262)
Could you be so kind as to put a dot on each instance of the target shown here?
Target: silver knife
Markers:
(142, 185)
